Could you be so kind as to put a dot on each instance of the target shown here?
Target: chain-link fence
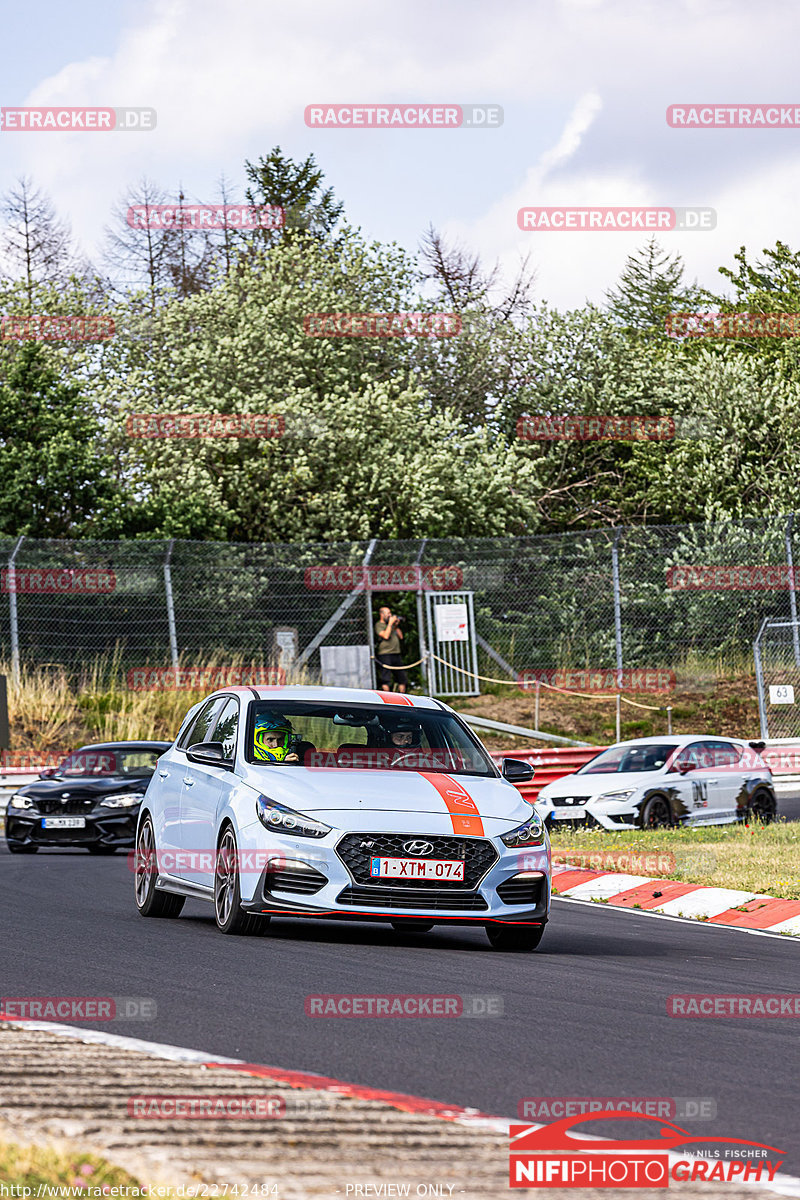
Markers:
(661, 597)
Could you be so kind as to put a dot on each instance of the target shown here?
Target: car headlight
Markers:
(623, 795)
(531, 833)
(127, 800)
(18, 801)
(285, 820)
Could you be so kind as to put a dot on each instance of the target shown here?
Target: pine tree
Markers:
(650, 288)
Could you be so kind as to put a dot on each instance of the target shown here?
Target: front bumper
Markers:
(593, 814)
(104, 827)
(315, 881)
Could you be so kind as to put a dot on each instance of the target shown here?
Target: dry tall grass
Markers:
(51, 711)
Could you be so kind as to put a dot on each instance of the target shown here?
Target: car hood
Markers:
(596, 785)
(335, 789)
(108, 785)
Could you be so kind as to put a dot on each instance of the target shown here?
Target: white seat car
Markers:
(340, 803)
(661, 781)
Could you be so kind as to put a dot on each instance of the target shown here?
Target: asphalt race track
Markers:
(585, 1015)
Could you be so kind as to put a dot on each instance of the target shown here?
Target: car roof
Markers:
(680, 739)
(125, 746)
(333, 695)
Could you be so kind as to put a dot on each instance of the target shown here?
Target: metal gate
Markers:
(776, 651)
(453, 655)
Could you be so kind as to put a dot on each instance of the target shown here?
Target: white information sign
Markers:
(451, 623)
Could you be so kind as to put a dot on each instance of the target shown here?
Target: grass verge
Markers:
(75, 1173)
(750, 858)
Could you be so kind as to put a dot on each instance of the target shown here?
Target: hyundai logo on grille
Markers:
(418, 847)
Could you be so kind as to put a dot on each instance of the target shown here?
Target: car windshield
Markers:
(620, 760)
(108, 761)
(363, 737)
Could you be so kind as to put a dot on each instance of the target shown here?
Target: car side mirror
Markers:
(209, 754)
(516, 771)
(685, 767)
(48, 773)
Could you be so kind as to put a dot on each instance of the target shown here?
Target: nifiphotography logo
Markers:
(547, 1156)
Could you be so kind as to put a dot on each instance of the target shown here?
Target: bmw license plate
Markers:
(416, 868)
(63, 822)
(569, 814)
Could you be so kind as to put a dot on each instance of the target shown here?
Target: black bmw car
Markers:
(91, 799)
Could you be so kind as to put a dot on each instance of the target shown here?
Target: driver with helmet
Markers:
(405, 739)
(272, 739)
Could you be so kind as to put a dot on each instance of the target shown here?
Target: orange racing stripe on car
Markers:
(462, 808)
(395, 698)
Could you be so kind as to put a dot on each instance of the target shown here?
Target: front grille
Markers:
(429, 898)
(521, 891)
(566, 801)
(478, 855)
(303, 883)
(76, 806)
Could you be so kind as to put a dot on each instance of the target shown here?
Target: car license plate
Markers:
(416, 868)
(63, 822)
(568, 814)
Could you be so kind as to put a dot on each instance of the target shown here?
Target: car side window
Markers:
(726, 754)
(699, 754)
(226, 726)
(197, 731)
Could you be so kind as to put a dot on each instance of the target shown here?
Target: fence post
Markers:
(792, 591)
(617, 605)
(619, 717)
(11, 583)
(762, 704)
(423, 641)
(173, 637)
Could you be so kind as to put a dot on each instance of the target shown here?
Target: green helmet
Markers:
(276, 728)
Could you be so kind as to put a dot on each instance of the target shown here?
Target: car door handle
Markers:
(187, 781)
(164, 774)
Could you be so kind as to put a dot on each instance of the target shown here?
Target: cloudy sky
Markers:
(584, 85)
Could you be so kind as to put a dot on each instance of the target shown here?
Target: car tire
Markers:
(411, 926)
(102, 849)
(518, 939)
(16, 848)
(762, 809)
(149, 901)
(657, 813)
(227, 896)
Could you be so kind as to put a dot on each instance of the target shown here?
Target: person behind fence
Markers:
(388, 650)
